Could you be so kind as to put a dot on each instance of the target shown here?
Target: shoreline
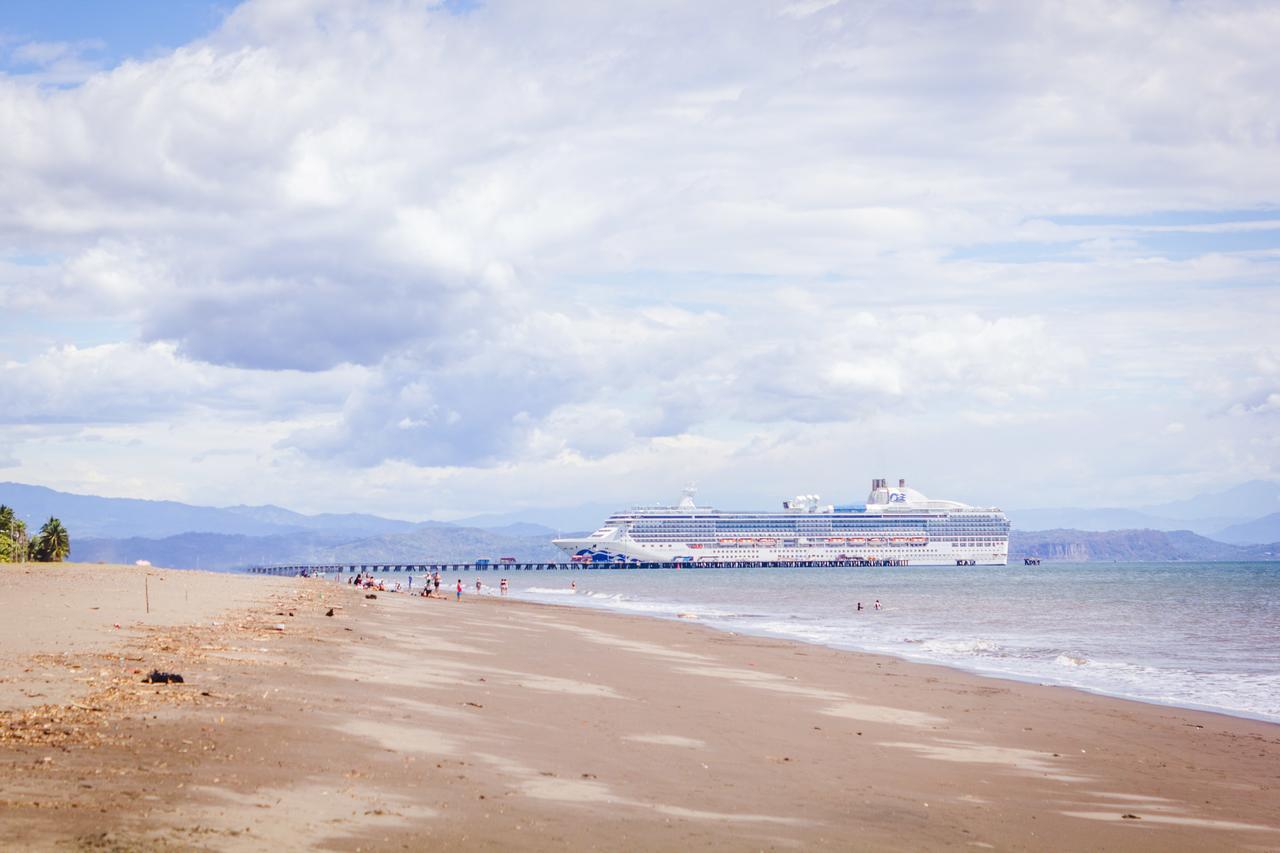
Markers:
(500, 723)
(993, 675)
(1190, 659)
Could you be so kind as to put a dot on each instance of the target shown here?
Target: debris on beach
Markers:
(116, 688)
(158, 677)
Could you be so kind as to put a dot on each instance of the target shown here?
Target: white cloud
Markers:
(538, 236)
(132, 383)
(56, 62)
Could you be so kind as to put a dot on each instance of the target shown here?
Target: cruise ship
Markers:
(897, 526)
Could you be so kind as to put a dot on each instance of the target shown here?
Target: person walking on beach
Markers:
(458, 597)
(437, 582)
(502, 587)
(878, 607)
(859, 606)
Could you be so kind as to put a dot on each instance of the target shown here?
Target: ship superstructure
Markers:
(897, 524)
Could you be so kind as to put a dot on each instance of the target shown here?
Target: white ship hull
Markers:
(897, 526)
(624, 552)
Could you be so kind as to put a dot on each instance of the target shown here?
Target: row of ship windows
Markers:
(881, 548)
(816, 542)
(869, 522)
(792, 534)
(877, 519)
(803, 531)
(819, 516)
(774, 531)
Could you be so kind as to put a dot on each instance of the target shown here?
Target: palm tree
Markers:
(12, 531)
(54, 544)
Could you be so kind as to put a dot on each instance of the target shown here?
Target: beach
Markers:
(400, 722)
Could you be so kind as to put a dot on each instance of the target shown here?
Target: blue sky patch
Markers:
(104, 34)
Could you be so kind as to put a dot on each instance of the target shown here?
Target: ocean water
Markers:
(1194, 635)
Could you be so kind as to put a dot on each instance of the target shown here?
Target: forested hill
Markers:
(425, 543)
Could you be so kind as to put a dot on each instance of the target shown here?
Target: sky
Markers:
(433, 259)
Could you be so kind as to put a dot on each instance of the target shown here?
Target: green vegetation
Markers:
(13, 535)
(52, 545)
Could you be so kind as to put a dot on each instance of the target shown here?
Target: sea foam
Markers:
(1132, 630)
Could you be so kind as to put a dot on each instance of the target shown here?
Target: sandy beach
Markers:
(404, 723)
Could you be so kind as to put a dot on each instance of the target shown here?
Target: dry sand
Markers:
(405, 723)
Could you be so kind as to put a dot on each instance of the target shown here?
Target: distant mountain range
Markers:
(1130, 546)
(1238, 515)
(117, 518)
(1241, 521)
(168, 533)
(584, 517)
(1265, 529)
(428, 543)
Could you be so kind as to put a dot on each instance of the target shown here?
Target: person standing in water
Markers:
(458, 595)
(859, 606)
(878, 607)
(503, 586)
(477, 585)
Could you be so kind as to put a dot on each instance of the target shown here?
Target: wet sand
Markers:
(402, 722)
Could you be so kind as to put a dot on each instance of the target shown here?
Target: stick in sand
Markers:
(146, 592)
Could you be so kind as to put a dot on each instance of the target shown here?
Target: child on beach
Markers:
(458, 597)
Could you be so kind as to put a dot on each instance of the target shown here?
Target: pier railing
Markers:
(446, 568)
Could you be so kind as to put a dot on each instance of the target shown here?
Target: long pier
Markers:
(446, 568)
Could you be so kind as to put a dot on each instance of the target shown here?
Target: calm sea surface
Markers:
(1197, 635)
